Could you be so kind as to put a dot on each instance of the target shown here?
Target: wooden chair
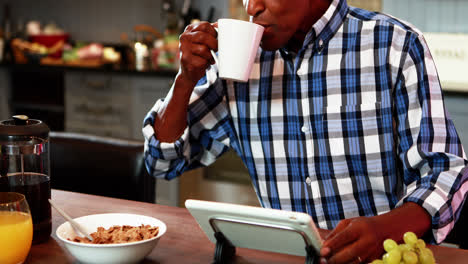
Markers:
(100, 165)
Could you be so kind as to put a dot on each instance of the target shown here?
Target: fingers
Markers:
(204, 52)
(327, 245)
(197, 50)
(352, 241)
(196, 44)
(344, 237)
(202, 33)
(202, 26)
(204, 38)
(354, 253)
(324, 233)
(207, 27)
(340, 227)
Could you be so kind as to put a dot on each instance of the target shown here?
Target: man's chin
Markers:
(269, 46)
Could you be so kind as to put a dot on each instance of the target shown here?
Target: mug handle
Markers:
(215, 57)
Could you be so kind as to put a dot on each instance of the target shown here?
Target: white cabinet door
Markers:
(99, 104)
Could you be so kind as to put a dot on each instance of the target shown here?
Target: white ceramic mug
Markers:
(238, 42)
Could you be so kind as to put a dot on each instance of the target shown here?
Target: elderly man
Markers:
(343, 118)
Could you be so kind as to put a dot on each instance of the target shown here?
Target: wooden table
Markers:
(184, 241)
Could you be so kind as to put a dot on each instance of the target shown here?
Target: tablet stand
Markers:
(225, 251)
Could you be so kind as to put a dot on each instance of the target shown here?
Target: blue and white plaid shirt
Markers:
(354, 124)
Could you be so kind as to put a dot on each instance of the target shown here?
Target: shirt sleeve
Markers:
(433, 159)
(205, 138)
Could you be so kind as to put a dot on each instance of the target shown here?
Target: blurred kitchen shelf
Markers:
(101, 69)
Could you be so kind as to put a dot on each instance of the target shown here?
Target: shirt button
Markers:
(305, 129)
(320, 46)
(308, 181)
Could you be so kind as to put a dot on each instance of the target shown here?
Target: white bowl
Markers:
(132, 252)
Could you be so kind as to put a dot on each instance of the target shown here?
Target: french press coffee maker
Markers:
(24, 168)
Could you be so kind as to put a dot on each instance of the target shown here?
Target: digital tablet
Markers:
(257, 228)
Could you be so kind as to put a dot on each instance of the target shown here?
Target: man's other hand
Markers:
(354, 240)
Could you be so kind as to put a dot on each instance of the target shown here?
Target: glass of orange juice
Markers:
(16, 228)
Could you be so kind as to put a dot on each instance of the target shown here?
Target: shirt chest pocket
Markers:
(356, 137)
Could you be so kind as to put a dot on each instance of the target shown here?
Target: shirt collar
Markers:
(324, 29)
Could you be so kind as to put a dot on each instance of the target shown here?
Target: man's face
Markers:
(281, 19)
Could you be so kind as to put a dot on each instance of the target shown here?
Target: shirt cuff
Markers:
(432, 200)
(162, 150)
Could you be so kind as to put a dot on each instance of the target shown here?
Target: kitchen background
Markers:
(105, 20)
(112, 100)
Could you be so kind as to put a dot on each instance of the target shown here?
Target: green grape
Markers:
(413, 251)
(389, 245)
(405, 247)
(385, 258)
(425, 257)
(409, 257)
(420, 244)
(410, 238)
(428, 251)
(394, 257)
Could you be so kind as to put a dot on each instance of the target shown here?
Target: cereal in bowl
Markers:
(119, 234)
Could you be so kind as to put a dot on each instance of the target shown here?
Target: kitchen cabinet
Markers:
(98, 103)
(111, 104)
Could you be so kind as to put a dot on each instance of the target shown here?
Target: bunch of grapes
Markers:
(413, 251)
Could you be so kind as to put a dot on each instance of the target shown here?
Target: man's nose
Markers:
(254, 7)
